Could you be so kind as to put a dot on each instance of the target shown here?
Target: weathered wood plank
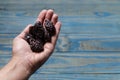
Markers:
(79, 62)
(63, 7)
(74, 42)
(64, 76)
(70, 25)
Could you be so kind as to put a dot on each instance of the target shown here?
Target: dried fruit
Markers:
(50, 27)
(40, 34)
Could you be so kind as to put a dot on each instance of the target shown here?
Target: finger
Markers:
(25, 31)
(42, 15)
(54, 38)
(49, 14)
(54, 19)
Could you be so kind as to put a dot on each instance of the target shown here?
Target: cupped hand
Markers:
(22, 51)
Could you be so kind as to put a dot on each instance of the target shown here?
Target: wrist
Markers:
(14, 70)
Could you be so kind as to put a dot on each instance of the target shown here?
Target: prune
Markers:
(40, 34)
(36, 45)
(37, 31)
(50, 27)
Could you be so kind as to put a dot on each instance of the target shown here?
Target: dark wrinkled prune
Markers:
(36, 45)
(50, 27)
(40, 34)
(37, 31)
(28, 37)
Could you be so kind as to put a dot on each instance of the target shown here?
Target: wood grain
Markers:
(88, 47)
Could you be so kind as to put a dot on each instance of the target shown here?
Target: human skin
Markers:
(24, 62)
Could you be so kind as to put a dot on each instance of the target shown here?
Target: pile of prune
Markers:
(39, 34)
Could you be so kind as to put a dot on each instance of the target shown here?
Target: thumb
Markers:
(24, 32)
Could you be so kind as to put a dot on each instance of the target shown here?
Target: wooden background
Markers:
(88, 47)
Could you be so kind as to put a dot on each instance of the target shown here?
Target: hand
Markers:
(21, 48)
(23, 59)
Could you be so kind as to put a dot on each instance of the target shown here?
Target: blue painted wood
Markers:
(88, 47)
